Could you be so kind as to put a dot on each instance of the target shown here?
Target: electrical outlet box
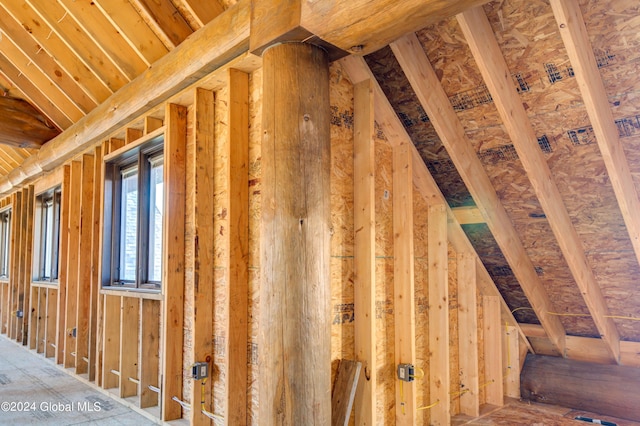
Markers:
(19, 314)
(199, 370)
(406, 372)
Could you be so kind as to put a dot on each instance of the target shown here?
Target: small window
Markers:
(134, 197)
(47, 240)
(5, 242)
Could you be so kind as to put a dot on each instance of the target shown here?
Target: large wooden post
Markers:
(295, 358)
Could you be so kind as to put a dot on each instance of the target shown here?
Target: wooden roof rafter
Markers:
(11, 157)
(41, 59)
(435, 102)
(5, 167)
(33, 94)
(493, 67)
(223, 40)
(133, 29)
(100, 29)
(358, 71)
(580, 51)
(52, 44)
(83, 47)
(165, 21)
(40, 79)
(198, 13)
(17, 154)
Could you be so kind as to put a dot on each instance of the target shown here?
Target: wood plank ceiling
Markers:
(65, 57)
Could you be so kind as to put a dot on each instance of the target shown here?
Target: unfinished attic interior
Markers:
(314, 212)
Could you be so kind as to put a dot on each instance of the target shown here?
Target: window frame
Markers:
(5, 243)
(49, 199)
(138, 157)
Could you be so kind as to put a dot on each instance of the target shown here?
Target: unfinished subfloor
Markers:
(35, 391)
(516, 412)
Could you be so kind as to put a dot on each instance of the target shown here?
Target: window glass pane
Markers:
(47, 228)
(55, 235)
(156, 192)
(5, 223)
(128, 224)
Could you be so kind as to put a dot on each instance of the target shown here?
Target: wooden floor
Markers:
(515, 412)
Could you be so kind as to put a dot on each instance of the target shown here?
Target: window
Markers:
(134, 197)
(47, 241)
(5, 242)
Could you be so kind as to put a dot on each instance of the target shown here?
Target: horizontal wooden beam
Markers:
(23, 126)
(607, 389)
(364, 26)
(468, 215)
(588, 349)
(216, 44)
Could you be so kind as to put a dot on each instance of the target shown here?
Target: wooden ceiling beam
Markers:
(587, 349)
(199, 13)
(435, 102)
(56, 48)
(5, 167)
(358, 71)
(125, 18)
(165, 20)
(45, 63)
(18, 154)
(21, 125)
(493, 67)
(212, 48)
(40, 80)
(86, 51)
(468, 215)
(364, 26)
(97, 27)
(33, 94)
(580, 51)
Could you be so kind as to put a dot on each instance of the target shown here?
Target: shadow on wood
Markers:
(23, 126)
(344, 392)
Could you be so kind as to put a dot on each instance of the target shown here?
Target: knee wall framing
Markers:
(127, 343)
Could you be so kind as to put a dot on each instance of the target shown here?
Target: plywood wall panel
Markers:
(385, 387)
(221, 227)
(397, 88)
(342, 240)
(542, 74)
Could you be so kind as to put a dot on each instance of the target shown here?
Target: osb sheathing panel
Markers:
(397, 88)
(342, 302)
(453, 61)
(221, 255)
(385, 335)
(528, 36)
